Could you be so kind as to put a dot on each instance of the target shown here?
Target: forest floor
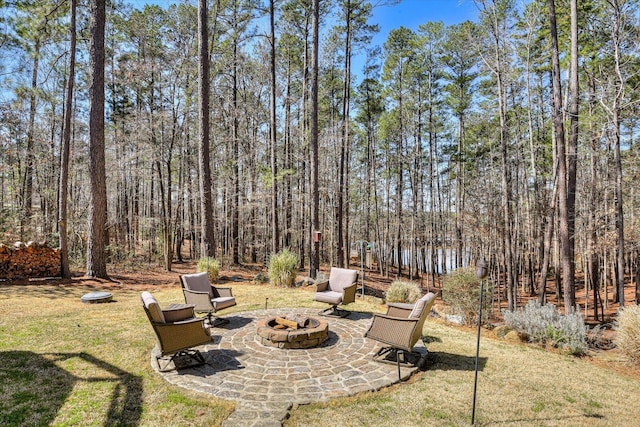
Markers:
(137, 272)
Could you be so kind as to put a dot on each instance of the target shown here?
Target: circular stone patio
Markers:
(265, 382)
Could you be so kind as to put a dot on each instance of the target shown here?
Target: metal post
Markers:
(475, 382)
(363, 245)
(362, 266)
(481, 272)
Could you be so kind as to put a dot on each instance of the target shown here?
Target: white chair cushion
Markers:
(330, 297)
(152, 305)
(341, 278)
(420, 305)
(223, 302)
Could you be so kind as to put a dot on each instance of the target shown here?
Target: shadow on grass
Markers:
(453, 362)
(556, 419)
(33, 388)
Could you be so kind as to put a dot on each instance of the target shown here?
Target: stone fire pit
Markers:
(292, 332)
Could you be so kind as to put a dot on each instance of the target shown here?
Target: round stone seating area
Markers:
(266, 381)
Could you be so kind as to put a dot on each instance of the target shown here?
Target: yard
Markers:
(68, 363)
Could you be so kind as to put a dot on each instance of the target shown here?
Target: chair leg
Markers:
(334, 311)
(399, 357)
(215, 321)
(218, 321)
(193, 354)
(394, 354)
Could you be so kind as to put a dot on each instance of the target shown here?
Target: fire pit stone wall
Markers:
(315, 333)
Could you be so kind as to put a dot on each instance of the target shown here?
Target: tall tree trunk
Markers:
(568, 279)
(314, 262)
(65, 271)
(572, 159)
(619, 211)
(342, 256)
(592, 241)
(98, 237)
(235, 209)
(275, 231)
(27, 185)
(400, 175)
(548, 237)
(459, 190)
(616, 109)
(288, 159)
(206, 202)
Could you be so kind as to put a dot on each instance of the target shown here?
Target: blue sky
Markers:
(413, 13)
(408, 13)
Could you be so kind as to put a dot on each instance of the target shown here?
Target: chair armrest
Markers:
(179, 322)
(180, 312)
(322, 285)
(398, 309)
(224, 292)
(392, 330)
(349, 294)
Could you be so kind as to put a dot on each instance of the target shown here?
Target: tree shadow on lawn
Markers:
(556, 419)
(34, 388)
(450, 362)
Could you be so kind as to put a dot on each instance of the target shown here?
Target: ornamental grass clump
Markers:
(628, 334)
(282, 268)
(461, 290)
(211, 266)
(405, 292)
(545, 325)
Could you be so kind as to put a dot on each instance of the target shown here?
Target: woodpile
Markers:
(291, 322)
(27, 260)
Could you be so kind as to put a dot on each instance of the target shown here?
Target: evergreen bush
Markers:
(461, 290)
(628, 333)
(405, 292)
(211, 266)
(543, 324)
(282, 268)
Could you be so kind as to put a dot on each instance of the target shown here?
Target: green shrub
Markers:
(628, 333)
(211, 266)
(282, 268)
(461, 290)
(400, 291)
(544, 324)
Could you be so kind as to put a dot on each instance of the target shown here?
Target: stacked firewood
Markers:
(27, 260)
(291, 322)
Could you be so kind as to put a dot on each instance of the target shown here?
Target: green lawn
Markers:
(66, 363)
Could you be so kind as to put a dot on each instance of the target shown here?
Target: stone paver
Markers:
(266, 382)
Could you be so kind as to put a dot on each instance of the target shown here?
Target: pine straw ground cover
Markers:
(63, 362)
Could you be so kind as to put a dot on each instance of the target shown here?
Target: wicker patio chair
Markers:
(208, 299)
(177, 331)
(400, 329)
(340, 288)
